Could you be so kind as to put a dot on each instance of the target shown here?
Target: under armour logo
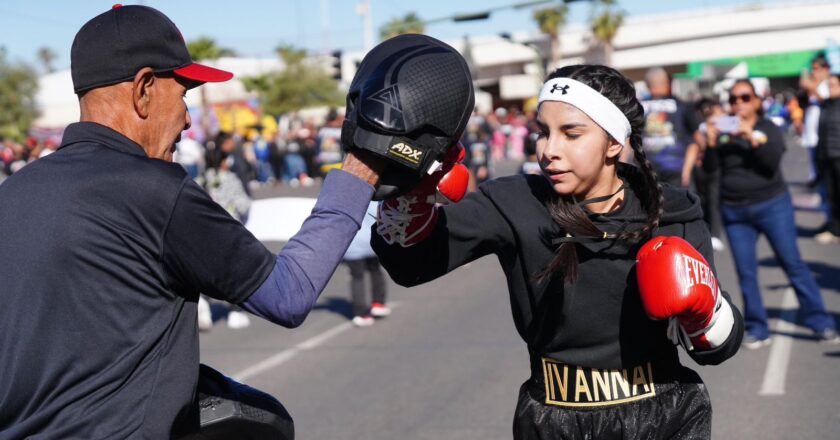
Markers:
(564, 89)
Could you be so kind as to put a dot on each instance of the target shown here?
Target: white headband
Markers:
(587, 100)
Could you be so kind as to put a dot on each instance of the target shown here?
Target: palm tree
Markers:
(47, 56)
(605, 26)
(410, 24)
(202, 49)
(205, 48)
(550, 20)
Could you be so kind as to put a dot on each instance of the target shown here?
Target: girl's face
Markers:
(574, 152)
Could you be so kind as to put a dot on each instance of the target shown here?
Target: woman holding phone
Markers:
(755, 200)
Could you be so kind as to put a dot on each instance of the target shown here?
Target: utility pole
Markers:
(325, 26)
(363, 10)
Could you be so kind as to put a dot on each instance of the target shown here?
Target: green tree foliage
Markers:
(409, 24)
(18, 85)
(46, 56)
(606, 20)
(301, 84)
(550, 21)
(205, 48)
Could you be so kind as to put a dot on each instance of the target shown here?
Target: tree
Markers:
(606, 20)
(410, 24)
(550, 21)
(46, 56)
(301, 84)
(204, 49)
(18, 85)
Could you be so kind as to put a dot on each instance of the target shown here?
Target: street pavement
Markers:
(448, 363)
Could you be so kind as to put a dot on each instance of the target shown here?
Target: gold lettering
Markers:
(563, 383)
(620, 379)
(549, 380)
(639, 379)
(581, 386)
(602, 381)
(650, 376)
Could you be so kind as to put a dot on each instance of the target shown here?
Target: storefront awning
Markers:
(776, 65)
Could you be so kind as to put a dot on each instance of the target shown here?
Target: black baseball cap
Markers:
(112, 47)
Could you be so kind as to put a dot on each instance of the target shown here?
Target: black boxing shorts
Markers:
(638, 402)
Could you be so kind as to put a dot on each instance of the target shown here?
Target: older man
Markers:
(112, 244)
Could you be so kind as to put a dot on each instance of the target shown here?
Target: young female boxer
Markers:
(603, 364)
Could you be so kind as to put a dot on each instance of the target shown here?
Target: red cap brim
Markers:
(202, 73)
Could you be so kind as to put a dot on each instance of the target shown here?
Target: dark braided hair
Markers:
(571, 216)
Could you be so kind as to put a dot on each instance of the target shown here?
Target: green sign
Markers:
(769, 66)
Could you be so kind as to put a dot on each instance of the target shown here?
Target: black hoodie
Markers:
(596, 322)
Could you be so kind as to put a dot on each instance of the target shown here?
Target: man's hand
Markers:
(364, 165)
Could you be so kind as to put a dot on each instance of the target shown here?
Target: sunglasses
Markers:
(744, 98)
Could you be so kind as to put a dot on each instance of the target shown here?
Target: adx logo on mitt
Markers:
(405, 152)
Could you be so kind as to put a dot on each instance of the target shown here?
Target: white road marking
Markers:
(289, 353)
(777, 363)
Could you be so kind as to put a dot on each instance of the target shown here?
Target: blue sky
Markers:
(255, 28)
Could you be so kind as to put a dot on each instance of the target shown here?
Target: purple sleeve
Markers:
(307, 262)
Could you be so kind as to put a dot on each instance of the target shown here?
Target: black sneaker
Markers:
(752, 342)
(827, 336)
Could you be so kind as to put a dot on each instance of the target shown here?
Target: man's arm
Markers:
(305, 265)
(205, 250)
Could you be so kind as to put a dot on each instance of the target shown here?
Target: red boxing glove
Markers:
(411, 217)
(676, 283)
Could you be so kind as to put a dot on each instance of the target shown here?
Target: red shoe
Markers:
(379, 310)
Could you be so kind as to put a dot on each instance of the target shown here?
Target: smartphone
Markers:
(727, 124)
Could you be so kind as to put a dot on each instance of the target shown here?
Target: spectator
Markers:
(707, 181)
(262, 155)
(233, 152)
(826, 87)
(306, 136)
(360, 258)
(295, 167)
(808, 129)
(227, 190)
(277, 153)
(329, 143)
(477, 152)
(50, 145)
(669, 129)
(755, 200)
(190, 154)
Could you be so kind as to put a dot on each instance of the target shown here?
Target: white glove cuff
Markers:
(724, 321)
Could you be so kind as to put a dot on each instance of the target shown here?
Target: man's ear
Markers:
(144, 80)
